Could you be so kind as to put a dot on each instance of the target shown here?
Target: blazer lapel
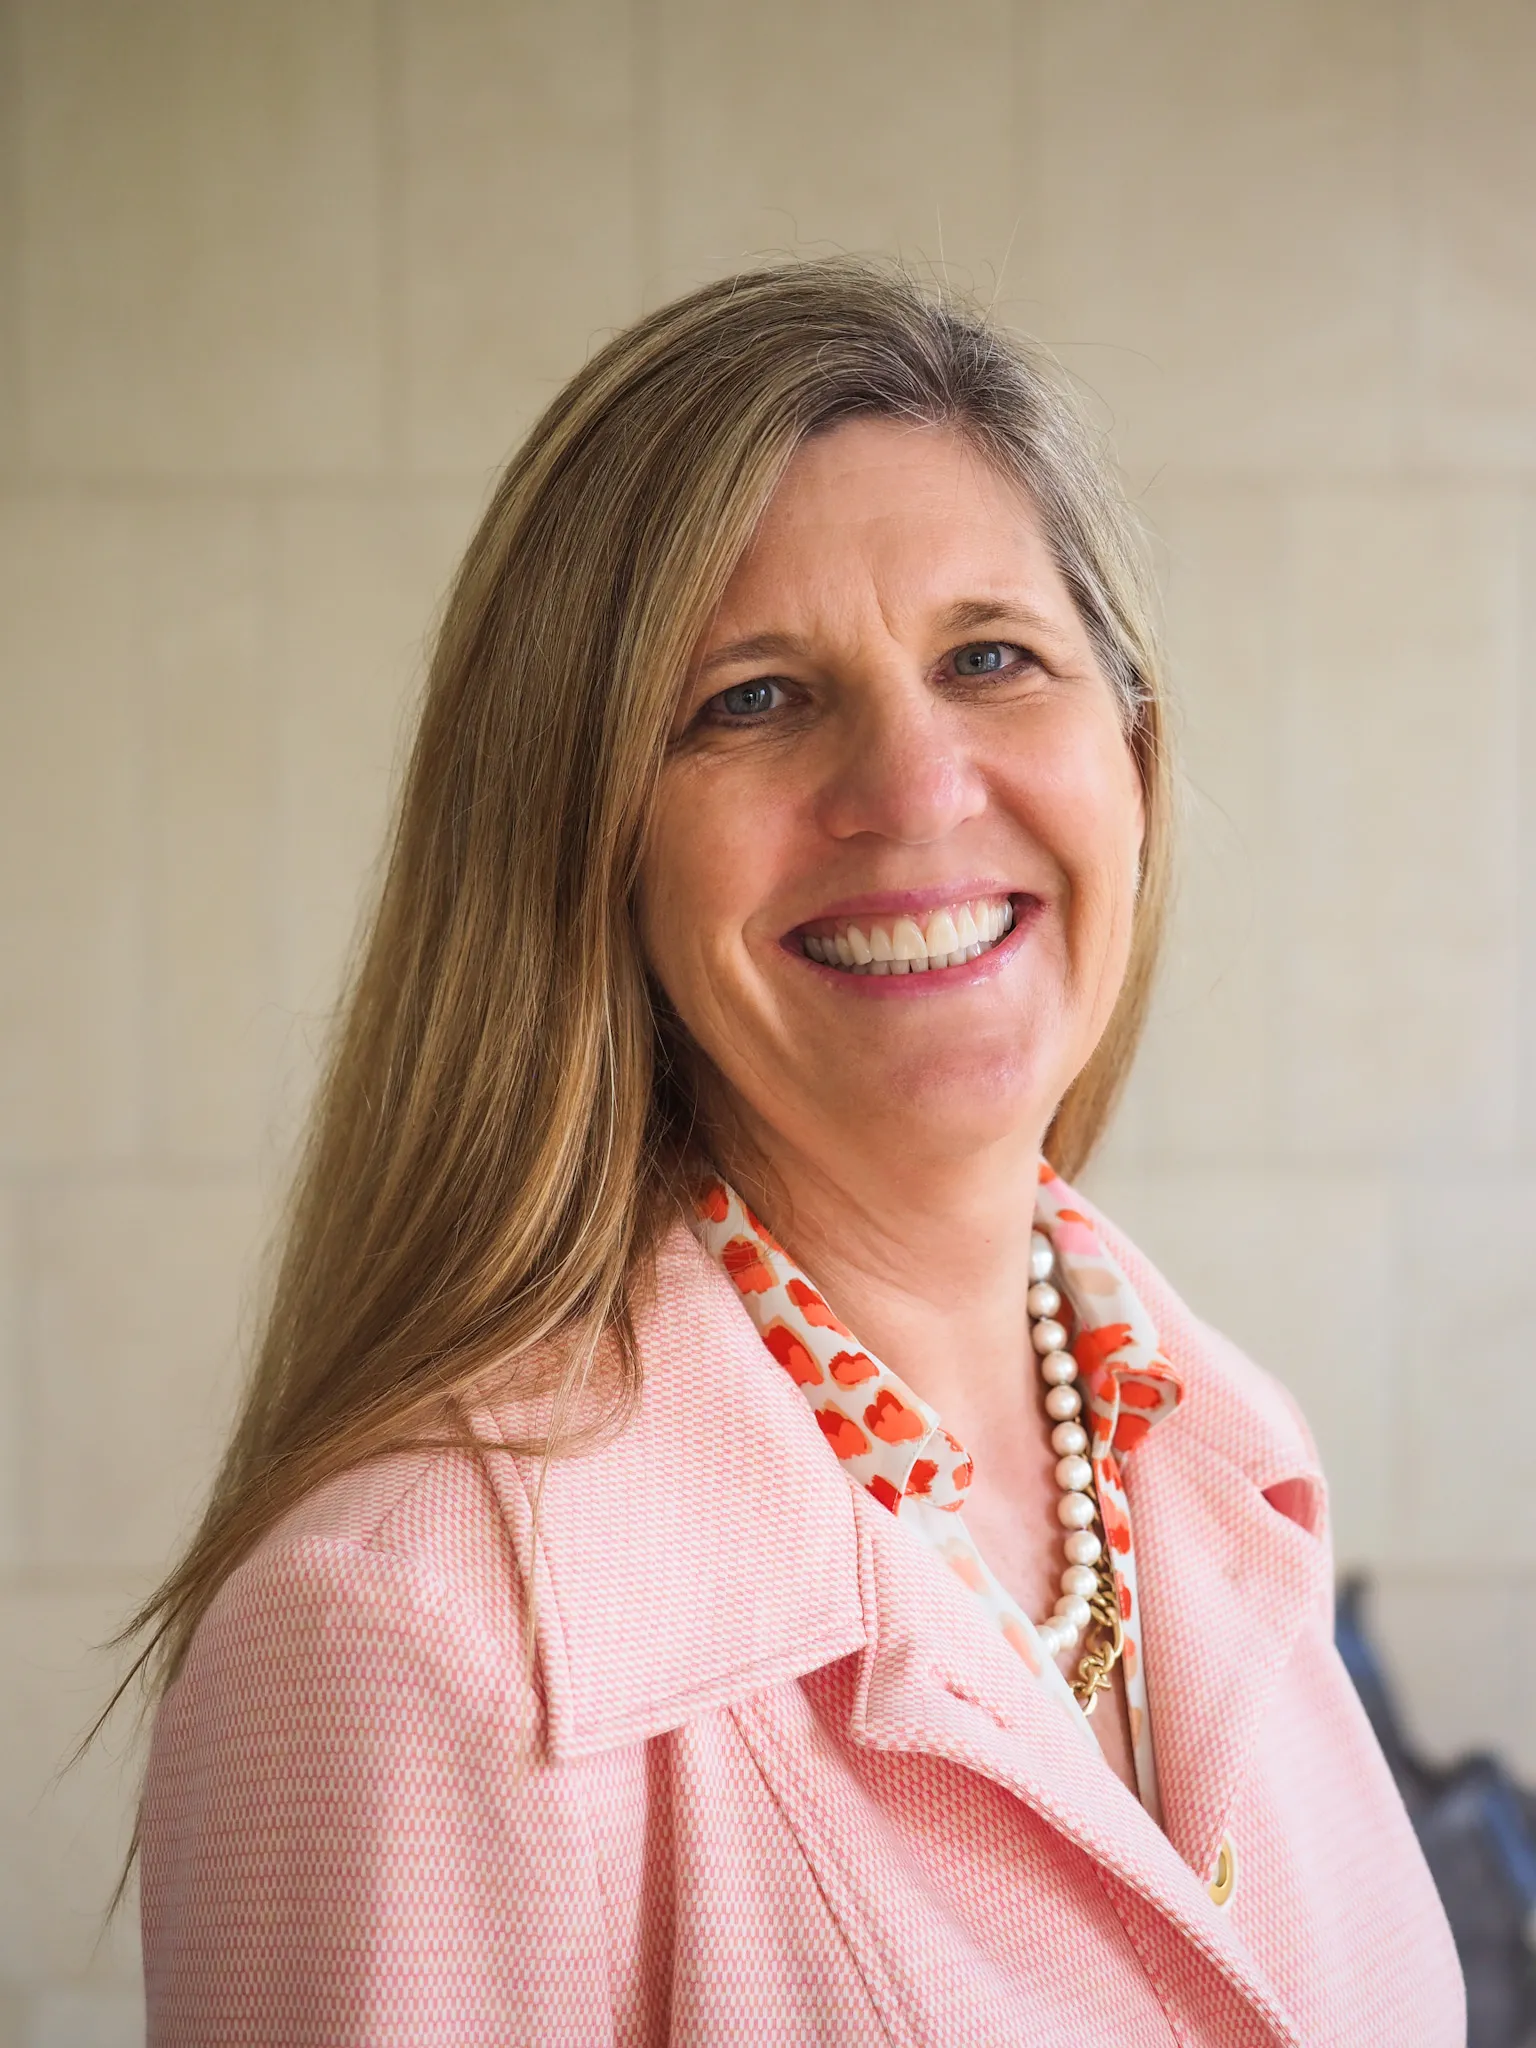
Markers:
(1229, 1511)
(975, 1704)
(1228, 1581)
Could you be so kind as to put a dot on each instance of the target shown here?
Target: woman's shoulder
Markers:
(635, 1561)
(402, 1561)
(442, 1519)
(353, 1723)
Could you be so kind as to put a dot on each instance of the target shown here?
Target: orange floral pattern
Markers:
(894, 1446)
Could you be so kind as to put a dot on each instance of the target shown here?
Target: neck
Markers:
(926, 1261)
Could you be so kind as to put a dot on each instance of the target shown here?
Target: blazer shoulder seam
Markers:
(322, 1561)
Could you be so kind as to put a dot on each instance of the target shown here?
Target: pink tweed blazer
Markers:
(768, 1774)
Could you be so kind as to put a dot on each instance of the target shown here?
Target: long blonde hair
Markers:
(501, 1134)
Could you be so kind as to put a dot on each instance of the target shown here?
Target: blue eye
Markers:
(747, 700)
(986, 658)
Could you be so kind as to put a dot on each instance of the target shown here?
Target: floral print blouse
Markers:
(893, 1444)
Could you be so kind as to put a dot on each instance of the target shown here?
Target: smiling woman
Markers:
(590, 1637)
(887, 781)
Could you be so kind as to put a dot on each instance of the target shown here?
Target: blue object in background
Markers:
(1477, 1828)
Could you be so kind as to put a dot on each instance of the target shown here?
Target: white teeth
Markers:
(951, 938)
(941, 938)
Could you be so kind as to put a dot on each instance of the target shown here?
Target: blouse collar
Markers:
(891, 1440)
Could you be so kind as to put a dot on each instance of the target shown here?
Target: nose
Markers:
(902, 771)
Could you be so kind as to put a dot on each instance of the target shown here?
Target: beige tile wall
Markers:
(280, 284)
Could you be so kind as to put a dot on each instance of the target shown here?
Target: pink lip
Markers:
(905, 902)
(905, 987)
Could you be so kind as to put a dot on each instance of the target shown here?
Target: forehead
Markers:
(903, 517)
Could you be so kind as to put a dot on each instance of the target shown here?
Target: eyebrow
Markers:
(761, 647)
(964, 616)
(970, 612)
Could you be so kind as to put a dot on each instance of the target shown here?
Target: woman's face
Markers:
(890, 883)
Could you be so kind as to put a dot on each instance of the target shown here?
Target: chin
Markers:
(953, 1102)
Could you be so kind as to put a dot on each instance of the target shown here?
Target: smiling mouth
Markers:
(950, 936)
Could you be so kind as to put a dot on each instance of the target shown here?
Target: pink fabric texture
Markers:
(765, 1772)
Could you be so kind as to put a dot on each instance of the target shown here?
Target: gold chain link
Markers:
(1094, 1672)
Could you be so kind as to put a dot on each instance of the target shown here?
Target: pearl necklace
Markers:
(1088, 1596)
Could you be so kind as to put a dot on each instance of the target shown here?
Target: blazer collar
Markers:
(702, 1552)
(739, 1548)
(713, 1548)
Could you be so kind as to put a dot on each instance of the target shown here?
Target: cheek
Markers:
(703, 876)
(1082, 798)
